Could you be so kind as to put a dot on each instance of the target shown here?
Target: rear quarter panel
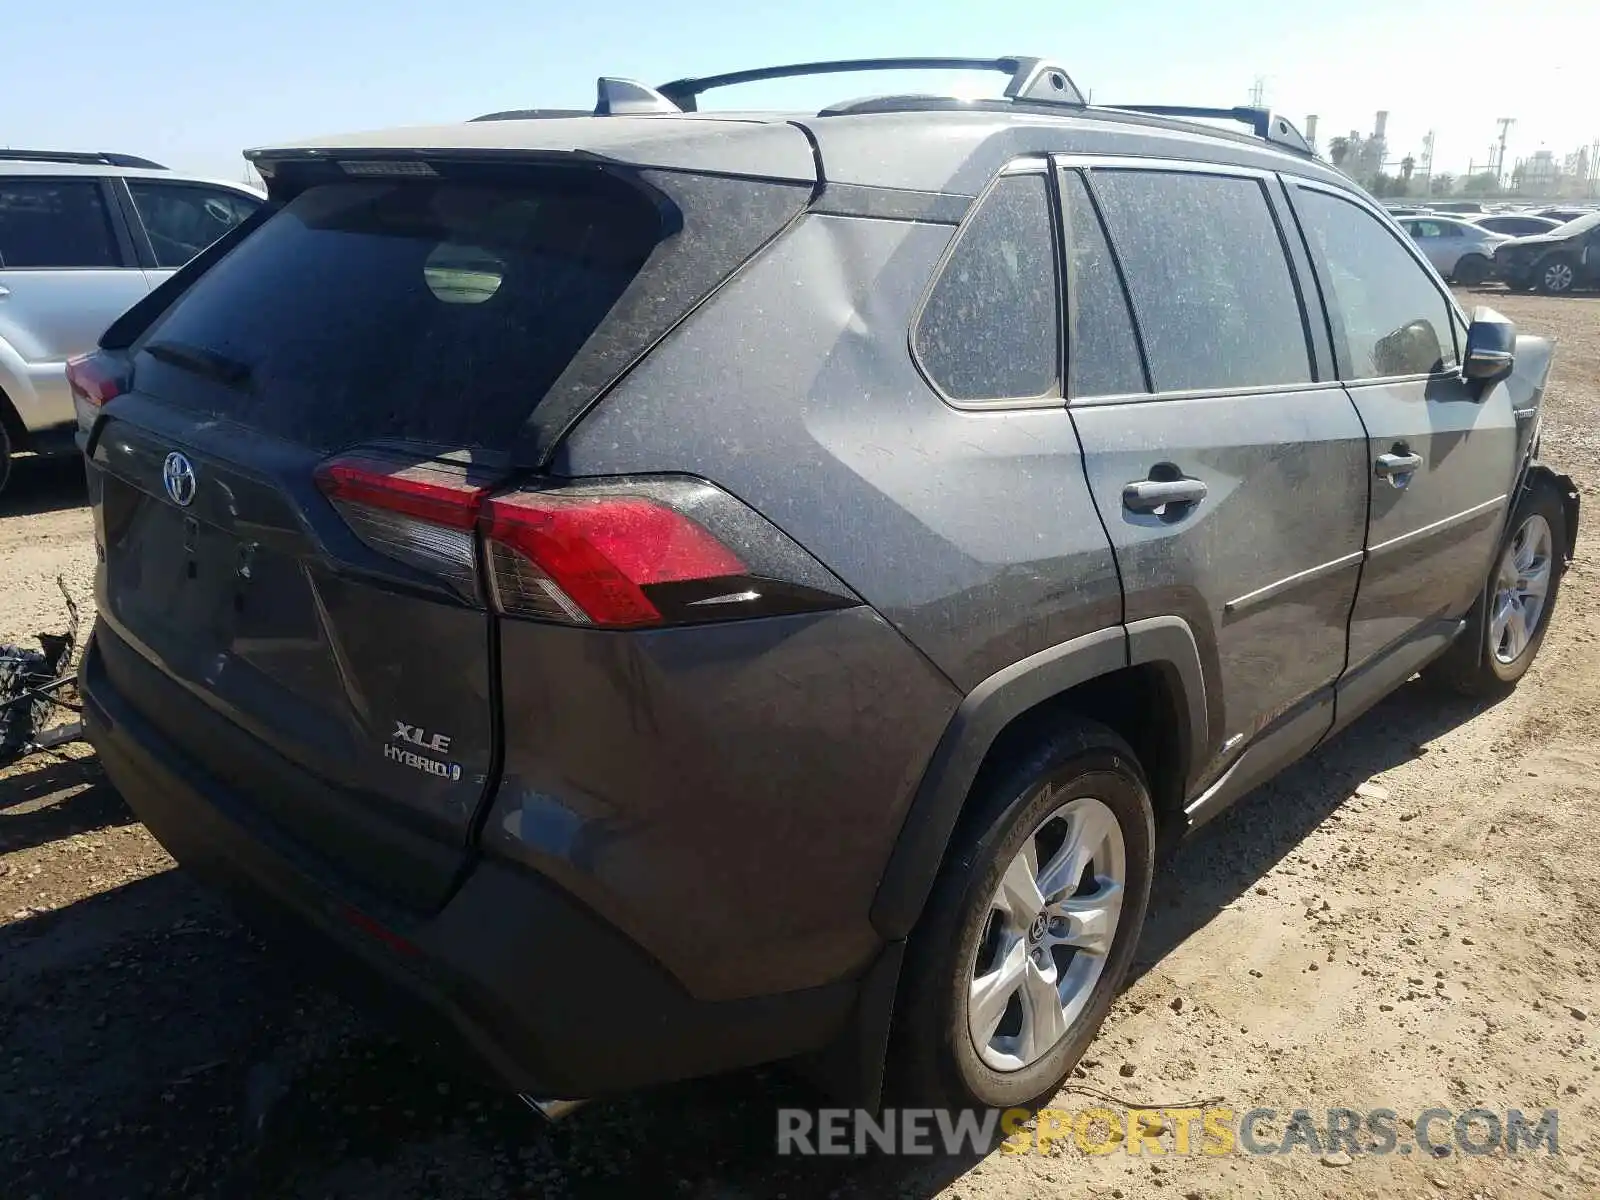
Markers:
(972, 532)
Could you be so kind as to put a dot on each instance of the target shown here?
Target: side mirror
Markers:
(1491, 348)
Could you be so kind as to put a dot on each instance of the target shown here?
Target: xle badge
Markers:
(417, 736)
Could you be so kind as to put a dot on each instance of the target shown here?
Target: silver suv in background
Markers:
(82, 237)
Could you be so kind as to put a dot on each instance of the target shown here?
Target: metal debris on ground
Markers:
(31, 686)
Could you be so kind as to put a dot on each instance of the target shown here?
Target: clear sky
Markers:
(193, 82)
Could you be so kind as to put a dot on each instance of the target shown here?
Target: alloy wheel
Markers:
(1521, 586)
(1051, 924)
(1558, 277)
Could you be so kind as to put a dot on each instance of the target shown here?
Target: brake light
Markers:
(591, 559)
(411, 489)
(610, 553)
(94, 379)
(421, 513)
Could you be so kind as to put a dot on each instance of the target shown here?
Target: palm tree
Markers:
(1339, 149)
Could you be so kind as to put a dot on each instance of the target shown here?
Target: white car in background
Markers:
(82, 237)
(1459, 250)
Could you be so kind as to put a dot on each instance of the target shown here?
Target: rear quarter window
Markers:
(989, 329)
(429, 310)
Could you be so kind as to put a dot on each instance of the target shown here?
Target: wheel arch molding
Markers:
(1149, 664)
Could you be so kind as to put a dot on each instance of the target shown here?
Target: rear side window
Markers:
(1209, 277)
(1102, 352)
(55, 223)
(183, 219)
(1388, 317)
(988, 330)
(431, 310)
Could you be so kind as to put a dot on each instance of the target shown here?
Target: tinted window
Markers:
(55, 223)
(1209, 278)
(438, 311)
(1389, 319)
(183, 219)
(989, 329)
(1102, 354)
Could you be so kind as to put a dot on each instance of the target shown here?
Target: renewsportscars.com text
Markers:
(1212, 1131)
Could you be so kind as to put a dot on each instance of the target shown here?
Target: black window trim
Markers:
(1321, 380)
(1062, 167)
(1408, 244)
(1055, 396)
(123, 239)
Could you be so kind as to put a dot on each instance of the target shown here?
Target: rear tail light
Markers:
(421, 513)
(591, 559)
(94, 379)
(613, 554)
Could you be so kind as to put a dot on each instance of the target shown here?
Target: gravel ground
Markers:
(1408, 919)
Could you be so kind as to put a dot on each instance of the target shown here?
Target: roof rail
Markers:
(1266, 124)
(87, 158)
(1035, 80)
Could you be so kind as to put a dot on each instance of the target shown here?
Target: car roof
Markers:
(940, 148)
(940, 143)
(100, 170)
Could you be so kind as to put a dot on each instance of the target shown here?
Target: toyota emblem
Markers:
(177, 476)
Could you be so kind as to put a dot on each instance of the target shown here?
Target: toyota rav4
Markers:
(661, 591)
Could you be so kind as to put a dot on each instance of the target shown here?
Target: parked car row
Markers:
(82, 237)
(1526, 251)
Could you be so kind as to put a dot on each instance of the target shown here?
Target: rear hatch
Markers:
(286, 485)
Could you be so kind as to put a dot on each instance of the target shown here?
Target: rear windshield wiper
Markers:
(201, 361)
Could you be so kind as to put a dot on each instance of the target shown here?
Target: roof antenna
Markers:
(625, 98)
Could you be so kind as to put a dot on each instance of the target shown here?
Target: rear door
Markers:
(288, 494)
(66, 272)
(1443, 457)
(178, 220)
(1231, 477)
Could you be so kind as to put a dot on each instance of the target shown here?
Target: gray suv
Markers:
(654, 592)
(83, 236)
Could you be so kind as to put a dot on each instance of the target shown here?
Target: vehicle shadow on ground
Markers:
(1229, 856)
(160, 1033)
(46, 799)
(44, 485)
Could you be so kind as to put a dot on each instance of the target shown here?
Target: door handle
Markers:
(1397, 468)
(1149, 495)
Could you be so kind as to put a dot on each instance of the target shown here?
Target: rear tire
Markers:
(1472, 270)
(1505, 632)
(975, 1025)
(1557, 275)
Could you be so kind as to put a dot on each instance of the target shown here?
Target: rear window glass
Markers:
(1210, 279)
(436, 311)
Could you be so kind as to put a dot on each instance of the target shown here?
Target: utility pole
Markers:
(1505, 124)
(1427, 164)
(1258, 92)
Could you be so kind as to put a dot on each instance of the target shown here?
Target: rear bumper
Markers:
(512, 978)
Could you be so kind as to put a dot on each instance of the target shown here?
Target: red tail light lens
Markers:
(421, 513)
(419, 490)
(614, 553)
(589, 559)
(95, 379)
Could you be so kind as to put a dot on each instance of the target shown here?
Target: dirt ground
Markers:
(1431, 941)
